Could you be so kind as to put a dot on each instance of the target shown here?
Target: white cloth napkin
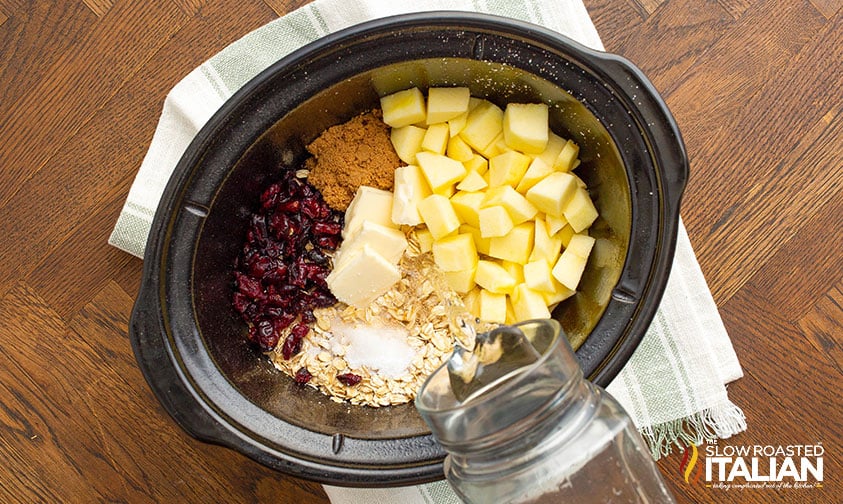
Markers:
(674, 386)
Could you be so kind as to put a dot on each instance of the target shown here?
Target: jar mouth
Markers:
(544, 335)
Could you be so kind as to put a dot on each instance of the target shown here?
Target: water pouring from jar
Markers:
(522, 425)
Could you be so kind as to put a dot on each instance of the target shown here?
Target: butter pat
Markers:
(387, 242)
(362, 277)
(366, 264)
(368, 204)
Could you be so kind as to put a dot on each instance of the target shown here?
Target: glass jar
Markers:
(521, 425)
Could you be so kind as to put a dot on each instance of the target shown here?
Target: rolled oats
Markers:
(419, 302)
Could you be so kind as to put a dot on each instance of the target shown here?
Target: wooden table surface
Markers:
(755, 86)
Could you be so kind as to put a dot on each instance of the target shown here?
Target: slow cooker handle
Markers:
(163, 375)
(651, 113)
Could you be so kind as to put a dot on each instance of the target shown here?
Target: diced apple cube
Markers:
(438, 213)
(461, 281)
(407, 141)
(569, 269)
(440, 171)
(510, 312)
(455, 253)
(555, 143)
(436, 138)
(471, 300)
(525, 126)
(517, 205)
(457, 124)
(458, 149)
(537, 170)
(580, 211)
(467, 206)
(567, 157)
(492, 307)
(538, 276)
(369, 204)
(444, 104)
(494, 221)
(560, 293)
(551, 194)
(409, 188)
(425, 239)
(447, 191)
(555, 223)
(581, 245)
(493, 277)
(403, 108)
(565, 234)
(580, 182)
(514, 246)
(515, 270)
(507, 168)
(570, 266)
(477, 163)
(546, 247)
(472, 182)
(482, 244)
(496, 147)
(484, 123)
(528, 304)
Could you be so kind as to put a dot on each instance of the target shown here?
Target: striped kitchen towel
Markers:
(674, 386)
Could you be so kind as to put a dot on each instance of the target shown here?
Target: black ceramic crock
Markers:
(189, 342)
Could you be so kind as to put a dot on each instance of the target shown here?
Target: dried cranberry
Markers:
(281, 225)
(292, 345)
(281, 270)
(349, 379)
(315, 209)
(327, 228)
(316, 256)
(276, 276)
(269, 198)
(257, 229)
(307, 317)
(289, 206)
(328, 242)
(267, 337)
(260, 265)
(321, 298)
(249, 286)
(283, 320)
(241, 302)
(303, 376)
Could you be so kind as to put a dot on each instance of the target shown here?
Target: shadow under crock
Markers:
(190, 342)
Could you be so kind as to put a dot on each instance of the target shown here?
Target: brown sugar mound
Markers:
(346, 156)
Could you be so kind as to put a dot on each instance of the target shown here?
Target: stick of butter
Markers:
(389, 242)
(363, 275)
(366, 265)
(368, 204)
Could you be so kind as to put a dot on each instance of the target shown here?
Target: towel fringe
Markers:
(721, 421)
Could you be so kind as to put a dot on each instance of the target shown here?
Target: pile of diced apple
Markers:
(493, 197)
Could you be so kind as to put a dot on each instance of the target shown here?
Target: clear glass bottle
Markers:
(521, 425)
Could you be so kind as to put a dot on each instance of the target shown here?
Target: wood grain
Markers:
(753, 84)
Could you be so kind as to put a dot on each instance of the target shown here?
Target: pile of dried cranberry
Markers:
(280, 273)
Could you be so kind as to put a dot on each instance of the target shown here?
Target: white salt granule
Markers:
(381, 349)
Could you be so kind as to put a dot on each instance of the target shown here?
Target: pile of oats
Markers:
(420, 303)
